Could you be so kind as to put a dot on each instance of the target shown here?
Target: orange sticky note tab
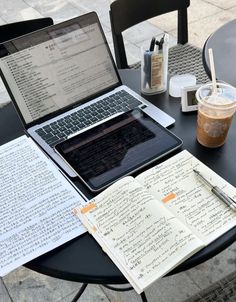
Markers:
(169, 197)
(94, 228)
(88, 208)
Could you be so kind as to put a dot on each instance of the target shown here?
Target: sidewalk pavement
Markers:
(205, 16)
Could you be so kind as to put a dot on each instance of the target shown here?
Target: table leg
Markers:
(123, 289)
(143, 297)
(84, 285)
(80, 292)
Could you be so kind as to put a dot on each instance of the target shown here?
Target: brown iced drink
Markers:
(212, 130)
(215, 113)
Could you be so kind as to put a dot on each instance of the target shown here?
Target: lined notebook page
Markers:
(178, 187)
(139, 234)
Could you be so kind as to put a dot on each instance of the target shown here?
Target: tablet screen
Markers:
(117, 147)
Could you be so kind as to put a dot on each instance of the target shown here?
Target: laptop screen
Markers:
(57, 67)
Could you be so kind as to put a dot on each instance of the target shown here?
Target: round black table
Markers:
(223, 43)
(82, 259)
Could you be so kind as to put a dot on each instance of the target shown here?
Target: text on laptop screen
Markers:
(71, 66)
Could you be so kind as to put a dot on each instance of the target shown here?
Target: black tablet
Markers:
(117, 147)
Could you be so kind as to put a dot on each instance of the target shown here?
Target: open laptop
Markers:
(63, 79)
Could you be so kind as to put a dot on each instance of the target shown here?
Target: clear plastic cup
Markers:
(153, 71)
(215, 113)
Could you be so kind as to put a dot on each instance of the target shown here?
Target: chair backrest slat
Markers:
(13, 30)
(127, 13)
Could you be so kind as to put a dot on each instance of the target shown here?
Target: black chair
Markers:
(13, 30)
(183, 58)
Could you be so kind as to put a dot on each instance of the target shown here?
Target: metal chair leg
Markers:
(80, 292)
(143, 297)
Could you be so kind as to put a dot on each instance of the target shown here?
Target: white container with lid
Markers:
(177, 82)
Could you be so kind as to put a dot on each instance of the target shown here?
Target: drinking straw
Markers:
(213, 73)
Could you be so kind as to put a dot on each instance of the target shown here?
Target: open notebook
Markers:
(150, 224)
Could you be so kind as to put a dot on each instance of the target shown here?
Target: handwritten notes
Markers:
(139, 231)
(150, 224)
(194, 203)
(36, 204)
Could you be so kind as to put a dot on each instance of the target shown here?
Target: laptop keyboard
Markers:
(59, 130)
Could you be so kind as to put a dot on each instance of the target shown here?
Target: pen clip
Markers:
(233, 201)
(152, 44)
(161, 42)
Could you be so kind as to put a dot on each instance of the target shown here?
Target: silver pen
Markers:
(218, 192)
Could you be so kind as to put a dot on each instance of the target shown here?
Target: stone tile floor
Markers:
(205, 16)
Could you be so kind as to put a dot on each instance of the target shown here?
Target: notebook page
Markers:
(140, 235)
(175, 184)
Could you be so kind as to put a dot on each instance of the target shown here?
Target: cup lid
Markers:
(225, 95)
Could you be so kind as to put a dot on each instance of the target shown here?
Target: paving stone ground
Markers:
(23, 285)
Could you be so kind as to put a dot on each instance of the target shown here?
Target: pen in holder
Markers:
(154, 64)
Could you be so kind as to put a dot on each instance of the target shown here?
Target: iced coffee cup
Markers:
(215, 113)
